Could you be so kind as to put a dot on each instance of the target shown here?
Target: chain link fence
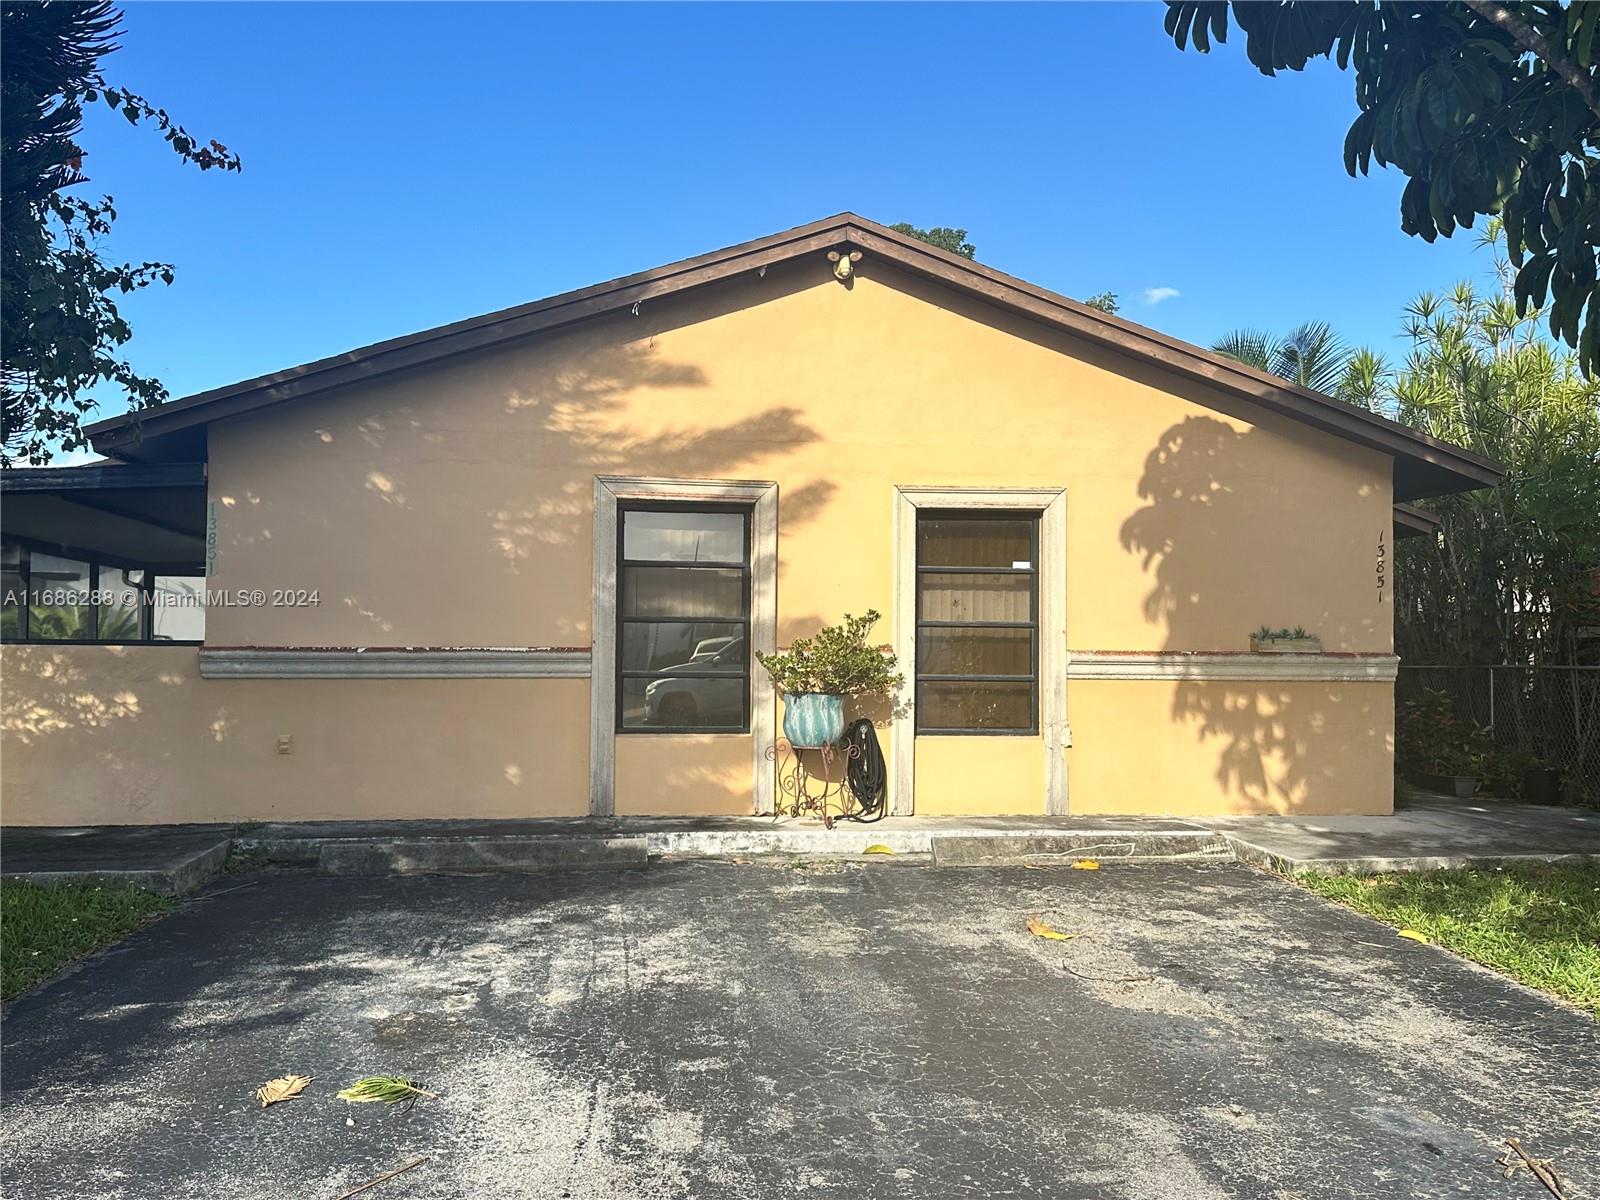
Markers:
(1552, 712)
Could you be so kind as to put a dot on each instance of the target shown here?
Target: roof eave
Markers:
(1423, 465)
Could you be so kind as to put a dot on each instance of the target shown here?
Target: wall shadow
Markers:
(1227, 542)
(481, 469)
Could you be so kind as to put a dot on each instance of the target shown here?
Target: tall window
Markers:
(683, 619)
(977, 667)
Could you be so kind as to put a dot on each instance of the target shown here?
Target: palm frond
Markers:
(390, 1089)
(1253, 347)
(1313, 356)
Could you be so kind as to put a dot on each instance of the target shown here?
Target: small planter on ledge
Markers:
(1284, 641)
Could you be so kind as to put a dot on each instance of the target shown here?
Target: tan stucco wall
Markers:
(1193, 748)
(453, 508)
(968, 776)
(133, 735)
(671, 774)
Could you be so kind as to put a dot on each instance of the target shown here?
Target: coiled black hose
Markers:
(865, 770)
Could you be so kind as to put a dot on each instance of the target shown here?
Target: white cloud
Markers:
(1158, 294)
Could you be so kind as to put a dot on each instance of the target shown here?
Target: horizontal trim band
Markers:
(1309, 668)
(218, 663)
(299, 663)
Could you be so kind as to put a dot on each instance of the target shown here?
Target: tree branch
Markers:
(1531, 40)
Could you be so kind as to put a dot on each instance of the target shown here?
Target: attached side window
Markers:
(59, 591)
(683, 619)
(977, 669)
(13, 591)
(47, 597)
(177, 608)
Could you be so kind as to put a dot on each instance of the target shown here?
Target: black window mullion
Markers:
(147, 596)
(25, 565)
(94, 596)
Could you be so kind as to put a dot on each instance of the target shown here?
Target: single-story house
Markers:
(516, 566)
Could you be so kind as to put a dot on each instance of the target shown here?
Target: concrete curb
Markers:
(988, 850)
(1260, 856)
(178, 878)
(526, 854)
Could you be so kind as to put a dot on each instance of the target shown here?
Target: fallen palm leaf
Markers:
(1040, 929)
(877, 848)
(391, 1089)
(285, 1087)
(1086, 864)
(1414, 936)
(1542, 1168)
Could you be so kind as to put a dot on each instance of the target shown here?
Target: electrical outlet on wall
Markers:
(285, 743)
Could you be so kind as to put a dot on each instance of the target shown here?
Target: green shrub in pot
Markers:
(816, 674)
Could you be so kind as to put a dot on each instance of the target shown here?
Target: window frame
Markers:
(619, 673)
(95, 562)
(1035, 520)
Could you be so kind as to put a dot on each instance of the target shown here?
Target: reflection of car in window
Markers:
(699, 700)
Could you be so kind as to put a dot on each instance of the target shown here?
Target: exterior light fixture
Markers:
(843, 263)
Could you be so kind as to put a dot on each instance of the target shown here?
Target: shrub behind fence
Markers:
(1552, 712)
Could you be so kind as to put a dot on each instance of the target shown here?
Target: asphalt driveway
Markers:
(840, 1030)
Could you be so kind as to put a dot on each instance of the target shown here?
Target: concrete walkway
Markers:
(1421, 836)
(164, 858)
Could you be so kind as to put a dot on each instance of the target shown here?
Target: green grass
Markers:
(1540, 925)
(42, 928)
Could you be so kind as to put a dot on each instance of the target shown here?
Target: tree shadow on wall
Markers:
(1221, 533)
(489, 477)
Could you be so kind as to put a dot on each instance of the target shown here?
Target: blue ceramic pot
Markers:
(812, 719)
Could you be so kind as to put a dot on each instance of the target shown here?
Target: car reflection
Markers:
(699, 700)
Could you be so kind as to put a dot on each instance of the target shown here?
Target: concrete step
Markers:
(507, 854)
(162, 858)
(1047, 849)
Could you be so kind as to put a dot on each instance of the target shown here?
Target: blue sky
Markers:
(412, 164)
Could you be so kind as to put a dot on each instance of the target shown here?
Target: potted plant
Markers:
(816, 674)
(1267, 640)
(1541, 783)
(1439, 750)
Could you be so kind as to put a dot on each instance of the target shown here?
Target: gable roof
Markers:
(1424, 466)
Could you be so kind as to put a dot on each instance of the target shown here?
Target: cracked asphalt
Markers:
(862, 1030)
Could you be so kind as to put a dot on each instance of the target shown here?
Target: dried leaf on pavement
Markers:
(1086, 864)
(877, 848)
(1414, 936)
(285, 1087)
(1042, 929)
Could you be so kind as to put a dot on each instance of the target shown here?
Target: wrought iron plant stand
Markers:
(819, 788)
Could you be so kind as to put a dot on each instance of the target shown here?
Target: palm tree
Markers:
(1313, 356)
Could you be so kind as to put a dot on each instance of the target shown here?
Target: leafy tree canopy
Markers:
(61, 331)
(1486, 107)
(953, 240)
(1106, 302)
